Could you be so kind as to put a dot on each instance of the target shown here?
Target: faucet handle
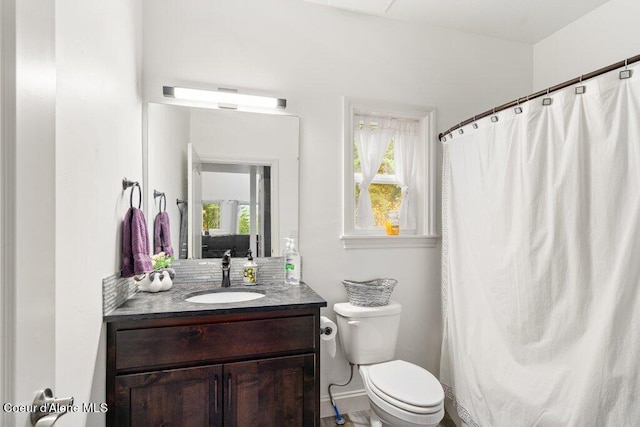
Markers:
(226, 259)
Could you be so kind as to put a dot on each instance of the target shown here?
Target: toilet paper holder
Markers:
(327, 330)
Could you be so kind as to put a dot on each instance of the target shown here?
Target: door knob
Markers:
(47, 409)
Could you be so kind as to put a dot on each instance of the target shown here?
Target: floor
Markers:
(361, 419)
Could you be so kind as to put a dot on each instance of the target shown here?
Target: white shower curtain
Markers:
(541, 262)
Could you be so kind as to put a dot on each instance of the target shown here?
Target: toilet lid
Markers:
(407, 383)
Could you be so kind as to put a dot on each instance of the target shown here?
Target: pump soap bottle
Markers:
(291, 263)
(250, 271)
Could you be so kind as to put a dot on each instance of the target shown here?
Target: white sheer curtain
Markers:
(406, 139)
(372, 139)
(541, 262)
(229, 216)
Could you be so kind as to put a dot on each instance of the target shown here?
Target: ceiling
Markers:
(526, 21)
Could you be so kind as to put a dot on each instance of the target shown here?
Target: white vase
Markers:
(143, 281)
(156, 281)
(149, 282)
(167, 283)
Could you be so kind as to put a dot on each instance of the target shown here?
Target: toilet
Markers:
(400, 393)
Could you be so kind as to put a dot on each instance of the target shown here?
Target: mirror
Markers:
(237, 170)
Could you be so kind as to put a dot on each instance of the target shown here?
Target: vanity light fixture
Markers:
(226, 97)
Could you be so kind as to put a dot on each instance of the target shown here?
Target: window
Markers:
(389, 166)
(210, 216)
(213, 217)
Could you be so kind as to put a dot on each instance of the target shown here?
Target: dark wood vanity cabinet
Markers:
(188, 397)
(253, 369)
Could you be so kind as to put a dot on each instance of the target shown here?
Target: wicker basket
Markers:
(372, 293)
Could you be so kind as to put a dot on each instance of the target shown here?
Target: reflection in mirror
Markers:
(237, 170)
(235, 209)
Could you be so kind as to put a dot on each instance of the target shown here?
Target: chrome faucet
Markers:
(226, 267)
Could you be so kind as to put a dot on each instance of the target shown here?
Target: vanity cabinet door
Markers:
(178, 397)
(270, 392)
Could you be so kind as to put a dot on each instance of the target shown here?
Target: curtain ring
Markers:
(136, 185)
(518, 109)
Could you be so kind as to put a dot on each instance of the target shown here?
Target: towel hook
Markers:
(127, 184)
(136, 185)
(162, 196)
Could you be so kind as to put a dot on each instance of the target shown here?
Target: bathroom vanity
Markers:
(251, 363)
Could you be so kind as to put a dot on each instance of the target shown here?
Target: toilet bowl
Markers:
(400, 393)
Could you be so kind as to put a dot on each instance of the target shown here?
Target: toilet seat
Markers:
(404, 386)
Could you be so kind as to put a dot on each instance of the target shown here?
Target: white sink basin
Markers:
(222, 297)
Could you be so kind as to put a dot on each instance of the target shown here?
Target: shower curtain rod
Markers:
(555, 88)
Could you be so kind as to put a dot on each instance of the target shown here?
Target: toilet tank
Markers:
(368, 334)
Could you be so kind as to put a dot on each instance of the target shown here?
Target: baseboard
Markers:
(347, 402)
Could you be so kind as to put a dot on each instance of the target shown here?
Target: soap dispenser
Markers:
(291, 262)
(250, 271)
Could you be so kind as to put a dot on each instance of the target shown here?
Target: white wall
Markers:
(313, 56)
(607, 35)
(168, 135)
(98, 142)
(225, 186)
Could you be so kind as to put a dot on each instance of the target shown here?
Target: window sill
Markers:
(384, 241)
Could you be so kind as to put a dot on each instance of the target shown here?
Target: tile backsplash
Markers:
(116, 289)
(210, 270)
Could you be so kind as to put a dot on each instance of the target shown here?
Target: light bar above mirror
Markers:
(225, 98)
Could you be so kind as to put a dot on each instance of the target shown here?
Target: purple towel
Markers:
(162, 234)
(135, 244)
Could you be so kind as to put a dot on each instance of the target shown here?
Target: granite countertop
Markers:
(171, 303)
